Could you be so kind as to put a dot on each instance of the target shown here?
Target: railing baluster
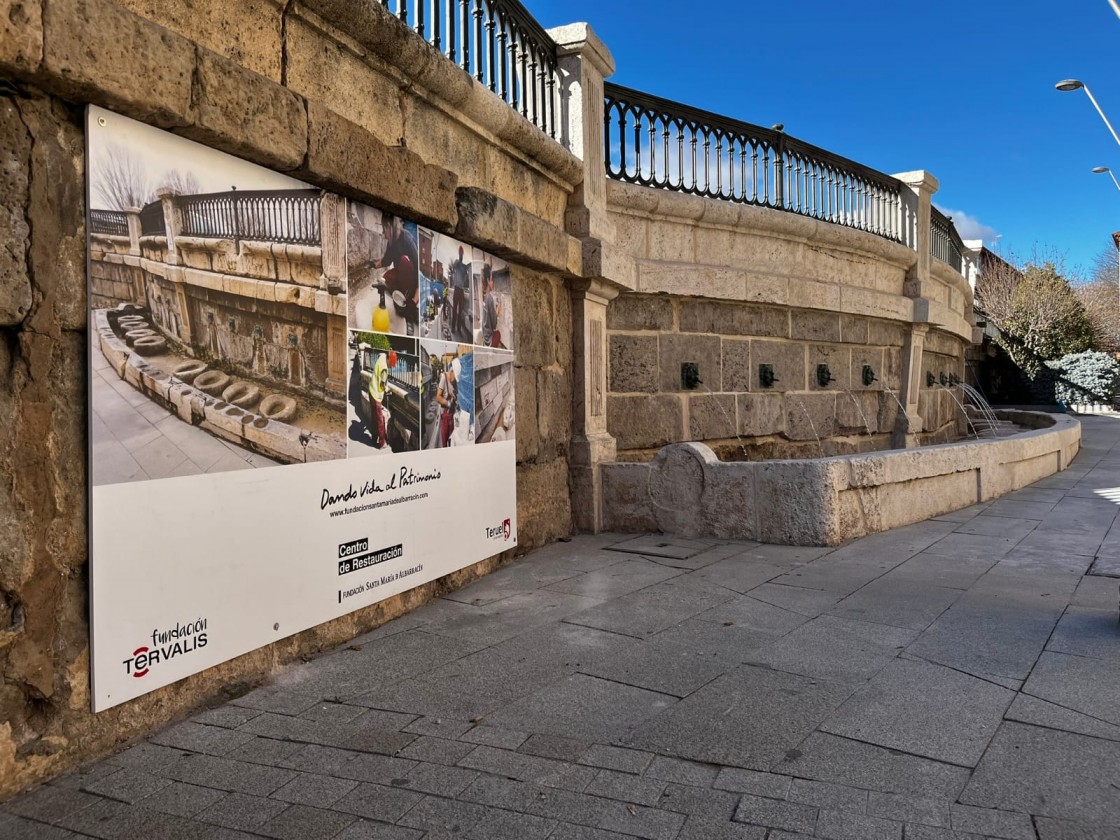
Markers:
(478, 39)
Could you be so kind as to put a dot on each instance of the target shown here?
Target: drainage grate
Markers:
(660, 546)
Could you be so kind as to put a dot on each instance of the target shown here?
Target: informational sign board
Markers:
(300, 406)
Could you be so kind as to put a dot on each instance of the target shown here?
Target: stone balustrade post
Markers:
(172, 222)
(584, 63)
(919, 203)
(132, 219)
(332, 233)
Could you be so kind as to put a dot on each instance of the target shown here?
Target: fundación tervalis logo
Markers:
(166, 644)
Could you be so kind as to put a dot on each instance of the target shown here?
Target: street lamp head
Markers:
(1100, 170)
(1069, 84)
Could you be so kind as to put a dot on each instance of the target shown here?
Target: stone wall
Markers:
(730, 288)
(259, 79)
(651, 336)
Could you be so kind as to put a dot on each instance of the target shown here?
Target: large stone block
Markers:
(554, 413)
(533, 318)
(245, 31)
(858, 412)
(633, 363)
(21, 35)
(673, 243)
(814, 326)
(711, 416)
(645, 422)
(736, 365)
(787, 359)
(98, 52)
(630, 234)
(761, 414)
(57, 212)
(873, 358)
(247, 115)
(318, 69)
(733, 318)
(676, 349)
(640, 312)
(814, 520)
(885, 333)
(697, 280)
(626, 500)
(525, 392)
(345, 157)
(15, 166)
(853, 329)
(810, 416)
(505, 229)
(544, 510)
(838, 359)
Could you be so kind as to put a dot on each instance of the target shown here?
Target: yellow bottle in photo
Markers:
(381, 313)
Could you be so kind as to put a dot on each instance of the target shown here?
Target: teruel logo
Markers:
(166, 644)
(503, 531)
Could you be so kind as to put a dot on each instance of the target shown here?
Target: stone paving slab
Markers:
(925, 710)
(1049, 773)
(952, 680)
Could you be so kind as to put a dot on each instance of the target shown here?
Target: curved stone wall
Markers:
(686, 490)
(732, 287)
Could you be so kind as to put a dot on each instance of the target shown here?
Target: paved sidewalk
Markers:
(953, 679)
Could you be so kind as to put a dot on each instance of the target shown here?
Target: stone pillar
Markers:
(913, 380)
(172, 222)
(917, 231)
(584, 63)
(332, 227)
(591, 445)
(132, 218)
(336, 355)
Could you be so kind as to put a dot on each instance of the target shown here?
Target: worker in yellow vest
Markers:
(378, 383)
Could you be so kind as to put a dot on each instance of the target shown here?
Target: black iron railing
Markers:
(290, 216)
(152, 222)
(945, 243)
(660, 143)
(499, 43)
(109, 222)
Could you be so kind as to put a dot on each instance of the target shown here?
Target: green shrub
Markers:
(1088, 377)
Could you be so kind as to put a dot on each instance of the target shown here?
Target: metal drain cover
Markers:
(656, 545)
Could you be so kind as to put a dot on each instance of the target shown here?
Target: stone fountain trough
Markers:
(687, 491)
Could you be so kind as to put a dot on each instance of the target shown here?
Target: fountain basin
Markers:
(687, 491)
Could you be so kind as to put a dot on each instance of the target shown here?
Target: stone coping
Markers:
(687, 491)
(624, 197)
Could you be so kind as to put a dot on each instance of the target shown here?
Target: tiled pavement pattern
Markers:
(955, 679)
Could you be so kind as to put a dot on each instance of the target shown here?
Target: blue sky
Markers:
(964, 90)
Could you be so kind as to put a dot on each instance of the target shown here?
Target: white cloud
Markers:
(969, 227)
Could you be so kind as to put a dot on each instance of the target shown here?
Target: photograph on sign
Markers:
(242, 319)
(493, 304)
(384, 394)
(493, 389)
(208, 311)
(383, 276)
(447, 267)
(447, 396)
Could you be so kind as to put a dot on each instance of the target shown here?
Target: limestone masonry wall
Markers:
(797, 294)
(261, 80)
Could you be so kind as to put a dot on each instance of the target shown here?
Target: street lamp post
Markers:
(1100, 170)
(1074, 84)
